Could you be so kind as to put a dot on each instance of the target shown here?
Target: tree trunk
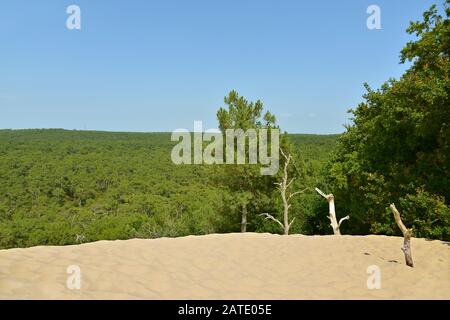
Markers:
(332, 212)
(407, 233)
(332, 215)
(244, 218)
(285, 211)
(283, 187)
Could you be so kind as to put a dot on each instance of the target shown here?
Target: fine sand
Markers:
(230, 266)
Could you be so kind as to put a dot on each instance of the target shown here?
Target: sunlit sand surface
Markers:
(230, 266)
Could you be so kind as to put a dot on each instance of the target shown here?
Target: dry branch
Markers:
(407, 233)
(271, 217)
(332, 212)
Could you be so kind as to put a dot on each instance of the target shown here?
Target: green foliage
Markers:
(242, 114)
(66, 187)
(398, 148)
(251, 191)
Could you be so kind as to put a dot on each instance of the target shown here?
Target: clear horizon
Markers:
(168, 132)
(158, 66)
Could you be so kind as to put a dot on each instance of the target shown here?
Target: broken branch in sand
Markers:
(407, 233)
(332, 214)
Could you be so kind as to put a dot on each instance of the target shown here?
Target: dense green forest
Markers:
(65, 187)
(398, 149)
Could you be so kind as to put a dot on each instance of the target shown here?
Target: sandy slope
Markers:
(231, 266)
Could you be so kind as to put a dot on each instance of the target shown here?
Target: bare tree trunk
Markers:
(407, 233)
(332, 212)
(244, 218)
(286, 205)
(286, 216)
(286, 195)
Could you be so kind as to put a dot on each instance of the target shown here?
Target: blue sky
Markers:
(160, 65)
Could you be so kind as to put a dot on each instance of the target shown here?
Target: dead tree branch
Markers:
(407, 233)
(284, 187)
(332, 212)
(271, 217)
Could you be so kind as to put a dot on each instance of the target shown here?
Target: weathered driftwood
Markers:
(332, 212)
(283, 187)
(407, 233)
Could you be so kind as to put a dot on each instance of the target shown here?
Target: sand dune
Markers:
(231, 266)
